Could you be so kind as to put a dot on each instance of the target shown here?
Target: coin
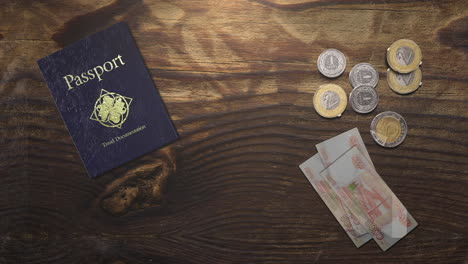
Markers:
(331, 63)
(363, 74)
(404, 56)
(363, 99)
(388, 129)
(330, 100)
(404, 83)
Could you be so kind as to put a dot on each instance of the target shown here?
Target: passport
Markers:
(107, 99)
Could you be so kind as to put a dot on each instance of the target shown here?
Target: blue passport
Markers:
(107, 99)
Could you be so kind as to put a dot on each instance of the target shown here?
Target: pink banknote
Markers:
(368, 197)
(331, 149)
(312, 168)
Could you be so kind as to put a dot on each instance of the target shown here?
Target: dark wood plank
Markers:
(238, 79)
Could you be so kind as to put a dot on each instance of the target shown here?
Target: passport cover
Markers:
(107, 99)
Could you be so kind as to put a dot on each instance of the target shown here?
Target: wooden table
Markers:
(237, 77)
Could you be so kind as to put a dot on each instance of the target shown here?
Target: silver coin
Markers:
(388, 129)
(331, 63)
(363, 74)
(363, 99)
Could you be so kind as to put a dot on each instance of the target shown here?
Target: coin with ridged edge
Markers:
(363, 74)
(388, 129)
(330, 100)
(404, 83)
(363, 99)
(331, 63)
(404, 56)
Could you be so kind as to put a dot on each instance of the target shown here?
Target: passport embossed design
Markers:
(107, 99)
(111, 109)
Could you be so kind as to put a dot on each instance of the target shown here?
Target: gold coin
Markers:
(389, 129)
(404, 83)
(330, 100)
(404, 56)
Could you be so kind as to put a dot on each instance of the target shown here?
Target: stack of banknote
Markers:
(343, 175)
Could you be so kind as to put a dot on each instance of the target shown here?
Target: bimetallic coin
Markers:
(331, 63)
(388, 129)
(404, 56)
(363, 99)
(404, 83)
(363, 74)
(330, 100)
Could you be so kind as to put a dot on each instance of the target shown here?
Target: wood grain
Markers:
(238, 79)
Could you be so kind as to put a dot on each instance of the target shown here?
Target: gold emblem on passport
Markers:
(111, 109)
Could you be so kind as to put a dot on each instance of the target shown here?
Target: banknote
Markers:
(368, 197)
(333, 148)
(357, 233)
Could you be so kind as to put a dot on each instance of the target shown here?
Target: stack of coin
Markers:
(404, 58)
(363, 78)
(388, 128)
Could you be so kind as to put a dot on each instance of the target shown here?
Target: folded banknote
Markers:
(311, 169)
(367, 196)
